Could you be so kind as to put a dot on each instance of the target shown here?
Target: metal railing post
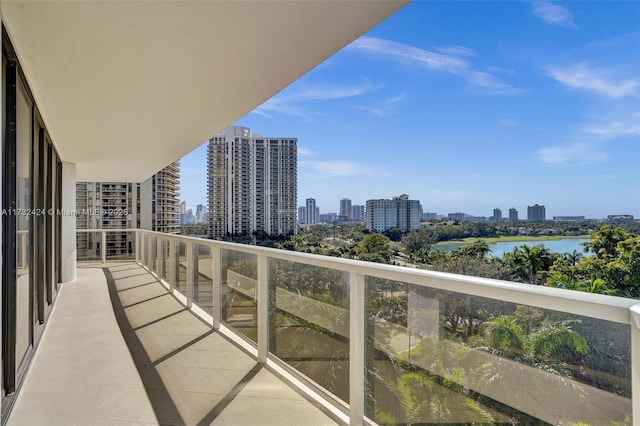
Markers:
(216, 294)
(160, 261)
(635, 362)
(23, 244)
(356, 348)
(190, 274)
(103, 241)
(137, 249)
(262, 296)
(173, 268)
(147, 251)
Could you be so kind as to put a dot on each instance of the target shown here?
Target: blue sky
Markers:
(468, 106)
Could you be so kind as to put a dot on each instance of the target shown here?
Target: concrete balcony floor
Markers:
(119, 349)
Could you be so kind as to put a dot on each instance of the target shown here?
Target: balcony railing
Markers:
(387, 344)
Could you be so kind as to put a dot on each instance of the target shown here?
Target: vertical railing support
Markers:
(216, 273)
(23, 254)
(103, 248)
(158, 255)
(137, 250)
(356, 348)
(635, 362)
(190, 273)
(161, 258)
(262, 296)
(148, 251)
(173, 264)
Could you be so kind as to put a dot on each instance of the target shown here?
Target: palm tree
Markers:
(553, 342)
(535, 258)
(572, 259)
(477, 249)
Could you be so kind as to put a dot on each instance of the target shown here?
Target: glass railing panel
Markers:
(239, 306)
(309, 322)
(180, 282)
(88, 246)
(203, 277)
(441, 357)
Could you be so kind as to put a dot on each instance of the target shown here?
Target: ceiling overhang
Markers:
(126, 88)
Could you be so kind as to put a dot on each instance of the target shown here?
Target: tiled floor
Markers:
(119, 349)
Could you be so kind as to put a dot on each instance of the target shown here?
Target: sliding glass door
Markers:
(30, 248)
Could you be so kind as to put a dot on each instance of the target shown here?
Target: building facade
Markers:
(252, 184)
(536, 213)
(399, 212)
(345, 209)
(357, 212)
(312, 212)
(497, 215)
(153, 204)
(513, 215)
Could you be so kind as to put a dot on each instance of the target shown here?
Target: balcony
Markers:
(199, 331)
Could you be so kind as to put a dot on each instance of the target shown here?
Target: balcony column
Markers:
(216, 273)
(262, 296)
(190, 273)
(356, 348)
(68, 223)
(635, 362)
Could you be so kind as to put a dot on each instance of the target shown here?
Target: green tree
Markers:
(374, 248)
(478, 249)
(551, 342)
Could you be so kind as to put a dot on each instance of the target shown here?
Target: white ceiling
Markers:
(127, 87)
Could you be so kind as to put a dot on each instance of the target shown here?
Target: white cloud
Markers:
(581, 76)
(624, 126)
(579, 153)
(437, 62)
(485, 82)
(409, 54)
(456, 51)
(289, 101)
(305, 152)
(508, 122)
(552, 13)
(384, 107)
(340, 168)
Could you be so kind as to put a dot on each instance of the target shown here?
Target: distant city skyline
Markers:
(469, 106)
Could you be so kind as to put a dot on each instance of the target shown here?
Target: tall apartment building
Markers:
(536, 213)
(252, 183)
(429, 216)
(164, 209)
(345, 209)
(497, 215)
(459, 216)
(399, 212)
(513, 215)
(357, 212)
(152, 204)
(328, 217)
(311, 211)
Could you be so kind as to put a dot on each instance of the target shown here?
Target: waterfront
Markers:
(564, 245)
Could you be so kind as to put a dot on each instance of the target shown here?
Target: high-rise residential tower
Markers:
(311, 211)
(513, 215)
(252, 183)
(153, 204)
(399, 212)
(357, 212)
(497, 215)
(536, 213)
(345, 209)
